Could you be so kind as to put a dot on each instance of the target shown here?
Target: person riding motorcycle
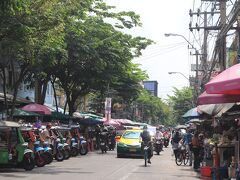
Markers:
(158, 136)
(146, 140)
(104, 135)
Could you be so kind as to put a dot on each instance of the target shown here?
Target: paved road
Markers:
(96, 166)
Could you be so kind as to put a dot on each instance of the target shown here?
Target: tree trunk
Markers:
(4, 90)
(43, 91)
(55, 94)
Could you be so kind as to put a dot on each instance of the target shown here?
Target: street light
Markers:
(179, 73)
(196, 53)
(172, 34)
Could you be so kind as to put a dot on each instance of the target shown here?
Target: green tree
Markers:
(180, 102)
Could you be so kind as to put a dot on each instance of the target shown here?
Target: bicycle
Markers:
(145, 151)
(182, 155)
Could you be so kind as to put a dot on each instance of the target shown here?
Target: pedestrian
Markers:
(196, 150)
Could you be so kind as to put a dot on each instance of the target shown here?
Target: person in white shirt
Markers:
(158, 134)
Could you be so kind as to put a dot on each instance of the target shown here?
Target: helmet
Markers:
(49, 125)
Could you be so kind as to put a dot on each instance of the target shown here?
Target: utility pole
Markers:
(222, 41)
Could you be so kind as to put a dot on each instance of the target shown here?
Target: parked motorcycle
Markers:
(83, 149)
(158, 146)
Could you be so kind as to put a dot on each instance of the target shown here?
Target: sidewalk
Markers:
(166, 166)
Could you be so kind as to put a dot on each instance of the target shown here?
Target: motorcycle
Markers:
(103, 145)
(158, 146)
(83, 149)
(111, 143)
(166, 142)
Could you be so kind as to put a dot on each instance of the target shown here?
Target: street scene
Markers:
(107, 166)
(120, 89)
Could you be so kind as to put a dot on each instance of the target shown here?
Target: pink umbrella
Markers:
(227, 82)
(205, 98)
(37, 108)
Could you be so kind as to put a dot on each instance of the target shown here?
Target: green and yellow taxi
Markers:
(130, 143)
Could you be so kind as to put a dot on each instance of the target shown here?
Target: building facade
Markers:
(151, 86)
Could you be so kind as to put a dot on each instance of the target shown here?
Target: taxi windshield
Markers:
(131, 135)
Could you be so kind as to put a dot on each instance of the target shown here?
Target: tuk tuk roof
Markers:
(9, 124)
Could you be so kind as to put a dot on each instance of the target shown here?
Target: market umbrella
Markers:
(37, 108)
(191, 113)
(206, 98)
(227, 82)
(87, 119)
(194, 121)
(111, 122)
(124, 121)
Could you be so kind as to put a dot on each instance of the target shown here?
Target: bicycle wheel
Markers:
(179, 158)
(186, 158)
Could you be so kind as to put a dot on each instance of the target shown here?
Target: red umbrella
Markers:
(206, 98)
(37, 108)
(227, 82)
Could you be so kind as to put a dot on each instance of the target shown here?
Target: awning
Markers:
(9, 124)
(227, 82)
(206, 98)
(215, 109)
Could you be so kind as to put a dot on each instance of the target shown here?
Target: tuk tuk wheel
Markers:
(48, 157)
(83, 150)
(28, 163)
(74, 151)
(60, 155)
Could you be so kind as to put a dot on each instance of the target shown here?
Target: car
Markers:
(130, 143)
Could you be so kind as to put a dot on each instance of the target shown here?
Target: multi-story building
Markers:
(151, 86)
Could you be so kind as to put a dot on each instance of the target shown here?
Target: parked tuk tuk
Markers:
(13, 149)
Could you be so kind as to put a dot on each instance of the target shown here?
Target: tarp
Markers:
(227, 82)
(206, 98)
(191, 113)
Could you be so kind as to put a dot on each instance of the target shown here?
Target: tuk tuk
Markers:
(13, 149)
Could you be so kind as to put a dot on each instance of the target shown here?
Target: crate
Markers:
(206, 171)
